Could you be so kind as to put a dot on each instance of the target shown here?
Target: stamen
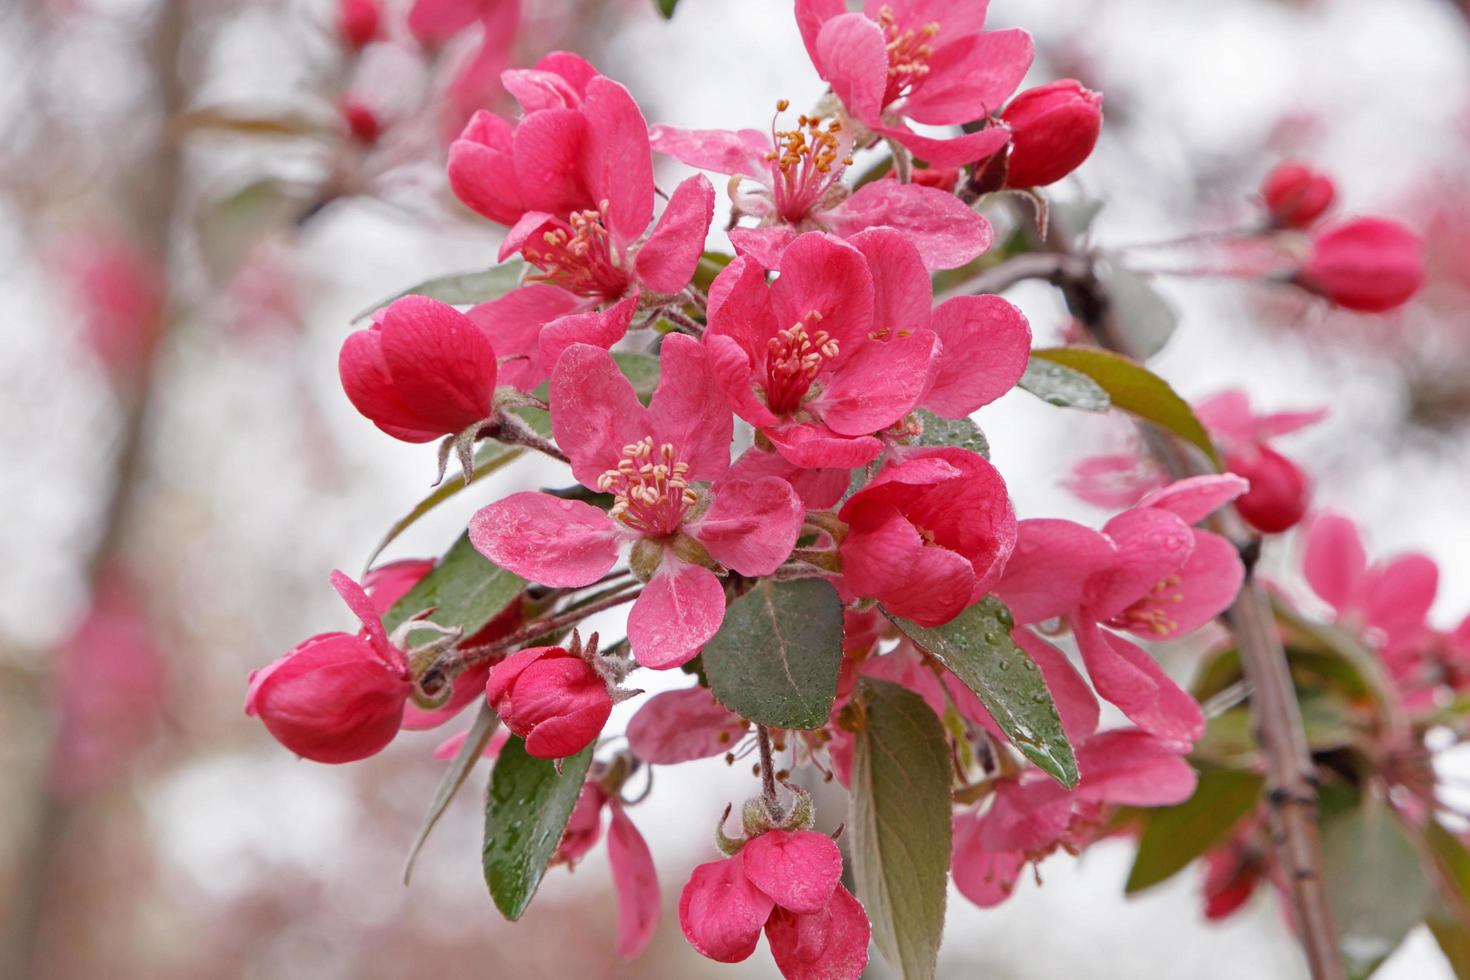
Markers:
(794, 358)
(909, 52)
(650, 487)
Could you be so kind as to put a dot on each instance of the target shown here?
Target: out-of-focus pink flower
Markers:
(110, 686)
(681, 726)
(1115, 480)
(656, 462)
(1053, 130)
(1280, 491)
(1232, 872)
(361, 121)
(1371, 265)
(422, 370)
(551, 698)
(119, 291)
(635, 879)
(1149, 573)
(787, 883)
(434, 22)
(1295, 195)
(584, 826)
(928, 536)
(1390, 599)
(358, 22)
(337, 697)
(476, 82)
(929, 61)
(798, 176)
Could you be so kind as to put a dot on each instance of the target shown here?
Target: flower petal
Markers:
(1050, 566)
(751, 526)
(945, 231)
(548, 147)
(594, 411)
(1152, 544)
(987, 343)
(831, 944)
(689, 411)
(824, 275)
(721, 912)
(636, 881)
(1197, 497)
(1076, 704)
(1129, 678)
(617, 163)
(681, 726)
(1126, 767)
(1335, 562)
(679, 609)
(514, 323)
(721, 151)
(852, 56)
(798, 869)
(879, 384)
(815, 446)
(560, 543)
(976, 86)
(666, 262)
(596, 328)
(956, 152)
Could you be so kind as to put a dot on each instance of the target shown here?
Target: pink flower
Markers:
(361, 121)
(635, 878)
(681, 726)
(386, 584)
(476, 81)
(358, 22)
(1053, 130)
(433, 22)
(119, 290)
(1148, 573)
(1295, 195)
(657, 462)
(553, 699)
(1366, 264)
(786, 882)
(422, 370)
(1280, 491)
(928, 536)
(1115, 480)
(337, 697)
(844, 344)
(798, 175)
(1390, 599)
(930, 61)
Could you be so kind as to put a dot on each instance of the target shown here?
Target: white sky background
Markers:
(1202, 82)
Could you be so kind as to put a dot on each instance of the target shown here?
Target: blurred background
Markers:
(196, 197)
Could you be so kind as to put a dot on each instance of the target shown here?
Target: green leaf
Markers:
(641, 370)
(1174, 836)
(900, 823)
(1375, 883)
(1137, 390)
(710, 265)
(962, 433)
(465, 591)
(228, 228)
(526, 812)
(666, 7)
(461, 288)
(1453, 936)
(1449, 919)
(1063, 387)
(977, 647)
(1146, 316)
(486, 721)
(776, 656)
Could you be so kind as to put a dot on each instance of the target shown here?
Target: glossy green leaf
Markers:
(486, 721)
(776, 656)
(1063, 387)
(900, 824)
(962, 433)
(1137, 390)
(461, 288)
(1174, 836)
(526, 812)
(1376, 885)
(977, 647)
(464, 589)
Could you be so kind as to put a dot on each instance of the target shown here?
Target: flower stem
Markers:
(768, 775)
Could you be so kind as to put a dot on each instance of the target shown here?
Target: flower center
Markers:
(909, 51)
(806, 162)
(793, 359)
(650, 488)
(1151, 613)
(577, 255)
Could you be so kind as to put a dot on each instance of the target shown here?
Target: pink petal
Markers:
(1076, 704)
(987, 342)
(1050, 566)
(851, 54)
(681, 726)
(818, 489)
(679, 609)
(827, 276)
(528, 227)
(1133, 768)
(514, 323)
(956, 152)
(449, 748)
(560, 543)
(594, 411)
(815, 446)
(1335, 562)
(722, 151)
(482, 169)
(879, 384)
(577, 71)
(1205, 585)
(751, 526)
(1114, 480)
(596, 328)
(1197, 497)
(636, 882)
(721, 912)
(1128, 677)
(902, 291)
(810, 16)
(1151, 545)
(732, 369)
(1228, 416)
(1283, 423)
(831, 944)
(443, 366)
(366, 612)
(765, 245)
(887, 560)
(504, 674)
(688, 410)
(548, 151)
(617, 161)
(1395, 598)
(740, 309)
(798, 869)
(946, 232)
(985, 877)
(369, 386)
(667, 260)
(1029, 813)
(978, 86)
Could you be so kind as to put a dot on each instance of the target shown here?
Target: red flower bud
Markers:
(362, 122)
(1053, 129)
(1366, 264)
(552, 699)
(1279, 493)
(358, 22)
(1296, 195)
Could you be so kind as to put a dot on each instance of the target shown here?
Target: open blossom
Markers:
(337, 697)
(928, 536)
(787, 883)
(550, 697)
(1371, 265)
(844, 344)
(1295, 195)
(423, 370)
(434, 22)
(1053, 130)
(797, 176)
(574, 181)
(658, 463)
(1148, 572)
(1280, 490)
(1389, 599)
(929, 61)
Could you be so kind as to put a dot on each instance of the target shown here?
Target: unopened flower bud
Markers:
(362, 122)
(1279, 492)
(1295, 195)
(552, 698)
(1365, 264)
(358, 22)
(1053, 130)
